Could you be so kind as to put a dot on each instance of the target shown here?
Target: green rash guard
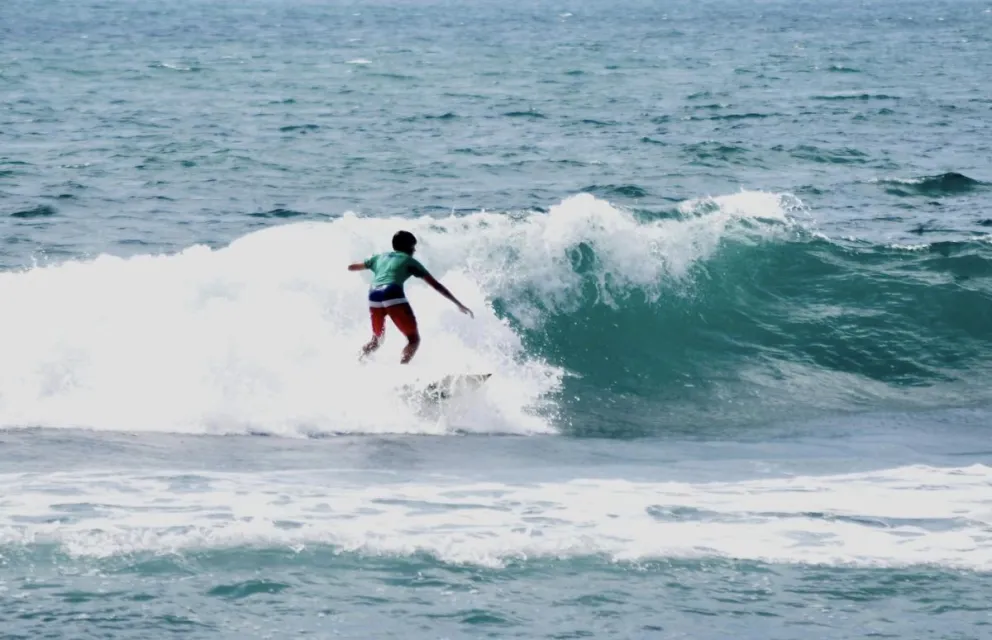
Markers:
(394, 267)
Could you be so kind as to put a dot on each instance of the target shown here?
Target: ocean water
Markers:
(731, 265)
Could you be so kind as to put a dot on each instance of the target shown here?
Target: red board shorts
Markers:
(389, 300)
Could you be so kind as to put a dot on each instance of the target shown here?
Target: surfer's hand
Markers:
(466, 311)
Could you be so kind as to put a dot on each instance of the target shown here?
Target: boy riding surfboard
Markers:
(386, 296)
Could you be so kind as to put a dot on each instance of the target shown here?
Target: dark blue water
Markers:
(732, 273)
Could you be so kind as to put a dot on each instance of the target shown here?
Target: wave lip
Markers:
(897, 517)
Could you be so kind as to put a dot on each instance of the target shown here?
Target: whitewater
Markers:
(260, 336)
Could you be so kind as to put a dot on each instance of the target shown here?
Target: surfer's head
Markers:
(405, 242)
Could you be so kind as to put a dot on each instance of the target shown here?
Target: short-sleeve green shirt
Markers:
(394, 267)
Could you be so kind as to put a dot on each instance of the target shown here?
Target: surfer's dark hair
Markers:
(404, 241)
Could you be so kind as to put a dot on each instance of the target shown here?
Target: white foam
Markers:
(262, 335)
(174, 66)
(897, 517)
(922, 246)
(760, 205)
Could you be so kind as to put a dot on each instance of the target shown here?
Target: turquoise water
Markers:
(731, 265)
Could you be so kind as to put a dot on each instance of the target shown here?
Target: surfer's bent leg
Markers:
(410, 348)
(406, 322)
(378, 317)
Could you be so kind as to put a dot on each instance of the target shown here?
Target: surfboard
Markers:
(449, 386)
(454, 384)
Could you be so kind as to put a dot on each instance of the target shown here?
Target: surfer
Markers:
(386, 297)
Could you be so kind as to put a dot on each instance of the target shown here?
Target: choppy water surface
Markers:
(731, 267)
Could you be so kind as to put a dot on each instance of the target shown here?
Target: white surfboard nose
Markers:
(453, 384)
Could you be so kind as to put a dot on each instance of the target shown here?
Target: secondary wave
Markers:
(894, 517)
(950, 183)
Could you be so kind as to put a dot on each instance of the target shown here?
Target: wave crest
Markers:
(593, 318)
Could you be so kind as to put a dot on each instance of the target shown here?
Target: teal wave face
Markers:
(837, 324)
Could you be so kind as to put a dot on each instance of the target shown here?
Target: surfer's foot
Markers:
(370, 348)
(411, 348)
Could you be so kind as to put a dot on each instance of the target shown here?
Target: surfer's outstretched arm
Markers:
(440, 288)
(358, 266)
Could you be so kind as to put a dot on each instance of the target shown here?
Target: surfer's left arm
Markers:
(368, 263)
(440, 288)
